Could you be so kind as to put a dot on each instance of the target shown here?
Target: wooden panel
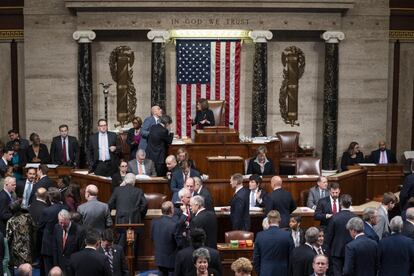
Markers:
(222, 168)
(228, 255)
(218, 136)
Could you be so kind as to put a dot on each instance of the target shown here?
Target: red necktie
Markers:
(189, 214)
(65, 158)
(65, 237)
(334, 209)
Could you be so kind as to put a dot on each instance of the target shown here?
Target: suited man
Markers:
(94, 213)
(239, 204)
(258, 197)
(114, 253)
(337, 236)
(5, 160)
(320, 265)
(200, 189)
(13, 136)
(163, 232)
(184, 258)
(272, 248)
(408, 226)
(301, 258)
(159, 138)
(382, 227)
(183, 216)
(141, 165)
(317, 192)
(25, 189)
(103, 149)
(64, 149)
(407, 191)
(35, 210)
(43, 180)
(156, 113)
(382, 155)
(280, 200)
(328, 206)
(370, 216)
(295, 231)
(180, 176)
(67, 239)
(171, 163)
(89, 262)
(7, 197)
(204, 219)
(261, 165)
(396, 252)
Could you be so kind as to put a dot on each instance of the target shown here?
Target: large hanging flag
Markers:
(207, 69)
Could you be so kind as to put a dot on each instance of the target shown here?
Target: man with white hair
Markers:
(370, 217)
(204, 219)
(141, 165)
(94, 213)
(396, 252)
(408, 226)
(183, 215)
(301, 258)
(7, 197)
(156, 113)
(200, 189)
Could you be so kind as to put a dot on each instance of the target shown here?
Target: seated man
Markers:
(260, 164)
(382, 155)
(318, 192)
(141, 165)
(179, 177)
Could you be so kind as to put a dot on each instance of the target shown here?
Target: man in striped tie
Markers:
(114, 254)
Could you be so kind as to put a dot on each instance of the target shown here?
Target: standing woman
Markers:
(37, 152)
(134, 136)
(204, 116)
(351, 156)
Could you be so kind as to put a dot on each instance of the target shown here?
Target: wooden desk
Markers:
(216, 135)
(55, 173)
(229, 254)
(382, 178)
(222, 167)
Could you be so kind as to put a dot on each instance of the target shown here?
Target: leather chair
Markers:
(218, 108)
(304, 194)
(289, 145)
(238, 235)
(308, 165)
(155, 200)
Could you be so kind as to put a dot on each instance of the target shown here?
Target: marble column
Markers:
(330, 104)
(259, 92)
(158, 85)
(85, 95)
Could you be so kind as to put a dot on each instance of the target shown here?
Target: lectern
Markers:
(216, 134)
(131, 229)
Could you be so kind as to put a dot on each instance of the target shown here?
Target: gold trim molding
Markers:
(402, 35)
(11, 34)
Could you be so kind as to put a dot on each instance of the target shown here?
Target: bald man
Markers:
(94, 213)
(382, 155)
(55, 271)
(156, 113)
(280, 200)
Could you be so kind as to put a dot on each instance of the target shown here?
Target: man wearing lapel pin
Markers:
(114, 253)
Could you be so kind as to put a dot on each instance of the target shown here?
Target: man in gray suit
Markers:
(318, 192)
(156, 113)
(141, 165)
(94, 213)
(382, 228)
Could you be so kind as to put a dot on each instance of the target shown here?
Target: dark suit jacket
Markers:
(61, 256)
(119, 265)
(93, 154)
(346, 160)
(47, 224)
(282, 201)
(24, 144)
(396, 255)
(177, 179)
(239, 210)
(145, 130)
(254, 168)
(324, 207)
(159, 139)
(163, 232)
(208, 200)
(370, 233)
(36, 210)
(207, 221)
(361, 257)
(3, 167)
(130, 204)
(56, 151)
(337, 236)
(5, 212)
(376, 155)
(204, 114)
(408, 229)
(116, 180)
(407, 191)
(133, 148)
(89, 262)
(301, 235)
(184, 261)
(43, 154)
(301, 259)
(272, 248)
(44, 182)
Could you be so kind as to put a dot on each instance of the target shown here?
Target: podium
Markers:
(222, 167)
(216, 134)
(131, 229)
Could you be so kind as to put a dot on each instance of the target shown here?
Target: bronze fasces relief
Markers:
(293, 61)
(120, 63)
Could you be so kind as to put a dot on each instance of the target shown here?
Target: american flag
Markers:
(207, 69)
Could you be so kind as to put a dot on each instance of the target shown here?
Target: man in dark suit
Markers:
(370, 216)
(163, 232)
(179, 177)
(200, 189)
(408, 226)
(89, 262)
(7, 197)
(328, 206)
(317, 192)
(239, 204)
(258, 197)
(43, 180)
(171, 163)
(25, 189)
(204, 219)
(114, 253)
(141, 165)
(301, 258)
(407, 191)
(361, 254)
(5, 161)
(272, 248)
(36, 210)
(64, 149)
(13, 136)
(159, 138)
(320, 265)
(154, 119)
(382, 155)
(280, 200)
(184, 258)
(337, 236)
(103, 150)
(396, 252)
(67, 239)
(47, 224)
(183, 216)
